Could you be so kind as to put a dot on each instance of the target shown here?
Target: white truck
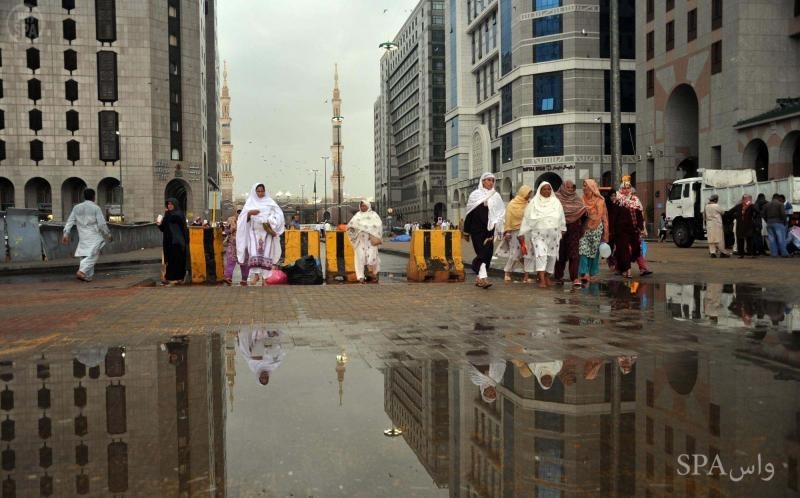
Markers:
(687, 198)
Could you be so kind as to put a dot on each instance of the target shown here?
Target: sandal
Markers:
(507, 278)
(577, 282)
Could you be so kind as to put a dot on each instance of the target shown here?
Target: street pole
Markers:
(121, 190)
(616, 139)
(599, 119)
(302, 200)
(315, 195)
(325, 185)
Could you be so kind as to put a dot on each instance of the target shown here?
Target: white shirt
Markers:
(92, 228)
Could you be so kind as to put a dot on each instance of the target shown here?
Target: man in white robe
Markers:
(262, 350)
(93, 233)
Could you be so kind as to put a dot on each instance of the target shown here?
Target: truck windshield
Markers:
(675, 192)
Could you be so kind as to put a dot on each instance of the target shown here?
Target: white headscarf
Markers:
(365, 221)
(546, 369)
(267, 208)
(543, 212)
(497, 210)
(496, 371)
(262, 350)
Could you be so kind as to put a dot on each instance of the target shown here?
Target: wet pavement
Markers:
(623, 388)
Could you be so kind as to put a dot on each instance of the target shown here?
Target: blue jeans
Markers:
(777, 239)
(589, 265)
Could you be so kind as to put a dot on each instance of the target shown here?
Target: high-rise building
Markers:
(528, 93)
(337, 148)
(409, 119)
(226, 176)
(104, 95)
(721, 82)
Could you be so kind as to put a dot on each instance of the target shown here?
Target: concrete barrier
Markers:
(339, 258)
(126, 238)
(300, 243)
(206, 263)
(22, 229)
(435, 256)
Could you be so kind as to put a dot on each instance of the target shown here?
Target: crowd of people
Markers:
(548, 233)
(755, 226)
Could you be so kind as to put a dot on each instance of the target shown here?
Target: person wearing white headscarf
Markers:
(258, 232)
(487, 382)
(262, 350)
(365, 231)
(485, 213)
(544, 224)
(546, 372)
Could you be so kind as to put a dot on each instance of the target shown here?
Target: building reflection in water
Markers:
(142, 421)
(599, 427)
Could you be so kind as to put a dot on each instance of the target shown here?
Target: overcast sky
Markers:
(281, 55)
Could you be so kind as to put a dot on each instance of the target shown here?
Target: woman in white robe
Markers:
(487, 382)
(262, 350)
(258, 232)
(544, 224)
(546, 372)
(365, 232)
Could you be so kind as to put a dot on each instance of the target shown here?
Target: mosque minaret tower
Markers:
(337, 178)
(227, 147)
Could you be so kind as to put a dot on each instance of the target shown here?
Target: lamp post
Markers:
(325, 187)
(389, 212)
(338, 120)
(599, 119)
(121, 191)
(388, 46)
(315, 194)
(302, 200)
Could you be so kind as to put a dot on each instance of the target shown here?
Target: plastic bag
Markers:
(277, 277)
(644, 248)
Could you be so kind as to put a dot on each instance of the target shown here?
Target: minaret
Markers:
(227, 147)
(337, 178)
(230, 364)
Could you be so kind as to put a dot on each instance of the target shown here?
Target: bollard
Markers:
(435, 256)
(206, 262)
(339, 258)
(300, 243)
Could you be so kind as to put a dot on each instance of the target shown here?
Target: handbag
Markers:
(375, 241)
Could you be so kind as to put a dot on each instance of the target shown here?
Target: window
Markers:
(670, 4)
(71, 91)
(106, 76)
(173, 41)
(34, 90)
(716, 57)
(172, 11)
(106, 20)
(505, 103)
(491, 78)
(35, 120)
(670, 33)
(473, 47)
(176, 126)
(73, 121)
(716, 14)
(650, 10)
(478, 86)
(505, 37)
(550, 51)
(627, 91)
(549, 25)
(1, 88)
(3, 153)
(548, 141)
(67, 5)
(691, 25)
(651, 83)
(73, 151)
(108, 124)
(70, 60)
(2, 119)
(175, 155)
(32, 59)
(68, 26)
(37, 151)
(507, 146)
(546, 4)
(627, 138)
(31, 28)
(650, 44)
(548, 93)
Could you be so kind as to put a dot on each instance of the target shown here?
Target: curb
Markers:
(66, 266)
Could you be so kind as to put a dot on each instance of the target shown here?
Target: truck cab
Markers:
(684, 215)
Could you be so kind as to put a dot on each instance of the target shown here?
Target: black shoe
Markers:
(740, 257)
(723, 255)
(645, 273)
(713, 255)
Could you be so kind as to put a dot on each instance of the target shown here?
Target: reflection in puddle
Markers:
(247, 412)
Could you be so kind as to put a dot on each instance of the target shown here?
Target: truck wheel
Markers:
(682, 235)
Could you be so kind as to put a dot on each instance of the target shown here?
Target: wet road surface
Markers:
(624, 388)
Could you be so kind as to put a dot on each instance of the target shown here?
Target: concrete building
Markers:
(115, 420)
(721, 82)
(107, 94)
(528, 93)
(409, 154)
(226, 176)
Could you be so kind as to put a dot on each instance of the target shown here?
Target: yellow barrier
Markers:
(435, 256)
(300, 243)
(206, 262)
(339, 258)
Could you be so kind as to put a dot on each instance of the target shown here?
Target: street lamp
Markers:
(121, 192)
(325, 183)
(388, 46)
(389, 212)
(315, 194)
(338, 120)
(599, 119)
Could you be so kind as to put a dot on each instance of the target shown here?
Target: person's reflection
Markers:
(712, 302)
(263, 351)
(486, 375)
(546, 372)
(569, 371)
(626, 363)
(592, 368)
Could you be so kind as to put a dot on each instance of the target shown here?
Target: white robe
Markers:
(496, 371)
(261, 349)
(92, 228)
